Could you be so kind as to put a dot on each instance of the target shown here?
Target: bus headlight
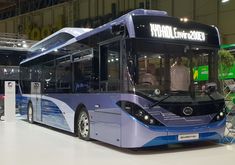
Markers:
(138, 112)
(219, 116)
(146, 117)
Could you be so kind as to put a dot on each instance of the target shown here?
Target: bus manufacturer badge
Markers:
(36, 85)
(188, 111)
(10, 84)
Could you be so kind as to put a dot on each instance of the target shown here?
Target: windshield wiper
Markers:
(158, 102)
(169, 95)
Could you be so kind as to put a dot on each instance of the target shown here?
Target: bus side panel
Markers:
(105, 116)
(57, 113)
(135, 134)
(52, 115)
(107, 125)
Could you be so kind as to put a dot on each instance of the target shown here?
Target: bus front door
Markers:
(107, 118)
(36, 100)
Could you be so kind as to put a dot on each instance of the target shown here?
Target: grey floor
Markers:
(24, 144)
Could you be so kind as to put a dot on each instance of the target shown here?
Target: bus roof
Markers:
(125, 19)
(71, 35)
(73, 32)
(55, 41)
(67, 36)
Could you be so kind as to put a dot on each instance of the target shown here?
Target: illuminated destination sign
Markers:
(171, 32)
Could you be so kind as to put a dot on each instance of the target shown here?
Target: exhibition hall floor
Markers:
(24, 144)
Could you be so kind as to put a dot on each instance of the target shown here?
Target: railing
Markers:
(12, 40)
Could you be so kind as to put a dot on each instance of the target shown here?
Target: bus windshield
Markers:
(158, 69)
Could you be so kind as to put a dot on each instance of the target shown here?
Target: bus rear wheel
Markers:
(30, 113)
(83, 125)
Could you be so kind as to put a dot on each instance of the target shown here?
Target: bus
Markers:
(93, 85)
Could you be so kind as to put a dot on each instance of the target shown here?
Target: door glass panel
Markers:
(110, 67)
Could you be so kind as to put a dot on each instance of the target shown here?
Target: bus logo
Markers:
(36, 85)
(188, 111)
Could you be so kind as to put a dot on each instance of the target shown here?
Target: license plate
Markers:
(185, 137)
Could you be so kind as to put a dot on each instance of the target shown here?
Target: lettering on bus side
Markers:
(171, 32)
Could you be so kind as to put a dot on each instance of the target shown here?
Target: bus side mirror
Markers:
(210, 87)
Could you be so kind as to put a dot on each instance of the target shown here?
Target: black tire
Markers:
(83, 125)
(30, 114)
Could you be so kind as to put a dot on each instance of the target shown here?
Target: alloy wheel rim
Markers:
(83, 125)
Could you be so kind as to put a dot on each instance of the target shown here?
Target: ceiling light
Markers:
(25, 46)
(224, 1)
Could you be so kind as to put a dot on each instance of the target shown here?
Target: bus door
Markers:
(36, 100)
(107, 116)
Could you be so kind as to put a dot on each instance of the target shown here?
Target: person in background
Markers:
(149, 77)
(180, 76)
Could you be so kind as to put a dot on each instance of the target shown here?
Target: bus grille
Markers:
(200, 108)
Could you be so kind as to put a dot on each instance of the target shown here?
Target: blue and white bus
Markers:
(98, 85)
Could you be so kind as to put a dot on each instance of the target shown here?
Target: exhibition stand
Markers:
(9, 101)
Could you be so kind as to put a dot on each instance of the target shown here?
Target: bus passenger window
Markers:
(63, 76)
(49, 76)
(83, 76)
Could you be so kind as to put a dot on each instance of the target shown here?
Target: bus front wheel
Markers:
(83, 125)
(30, 113)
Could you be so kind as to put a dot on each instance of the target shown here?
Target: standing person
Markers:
(180, 76)
(149, 77)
